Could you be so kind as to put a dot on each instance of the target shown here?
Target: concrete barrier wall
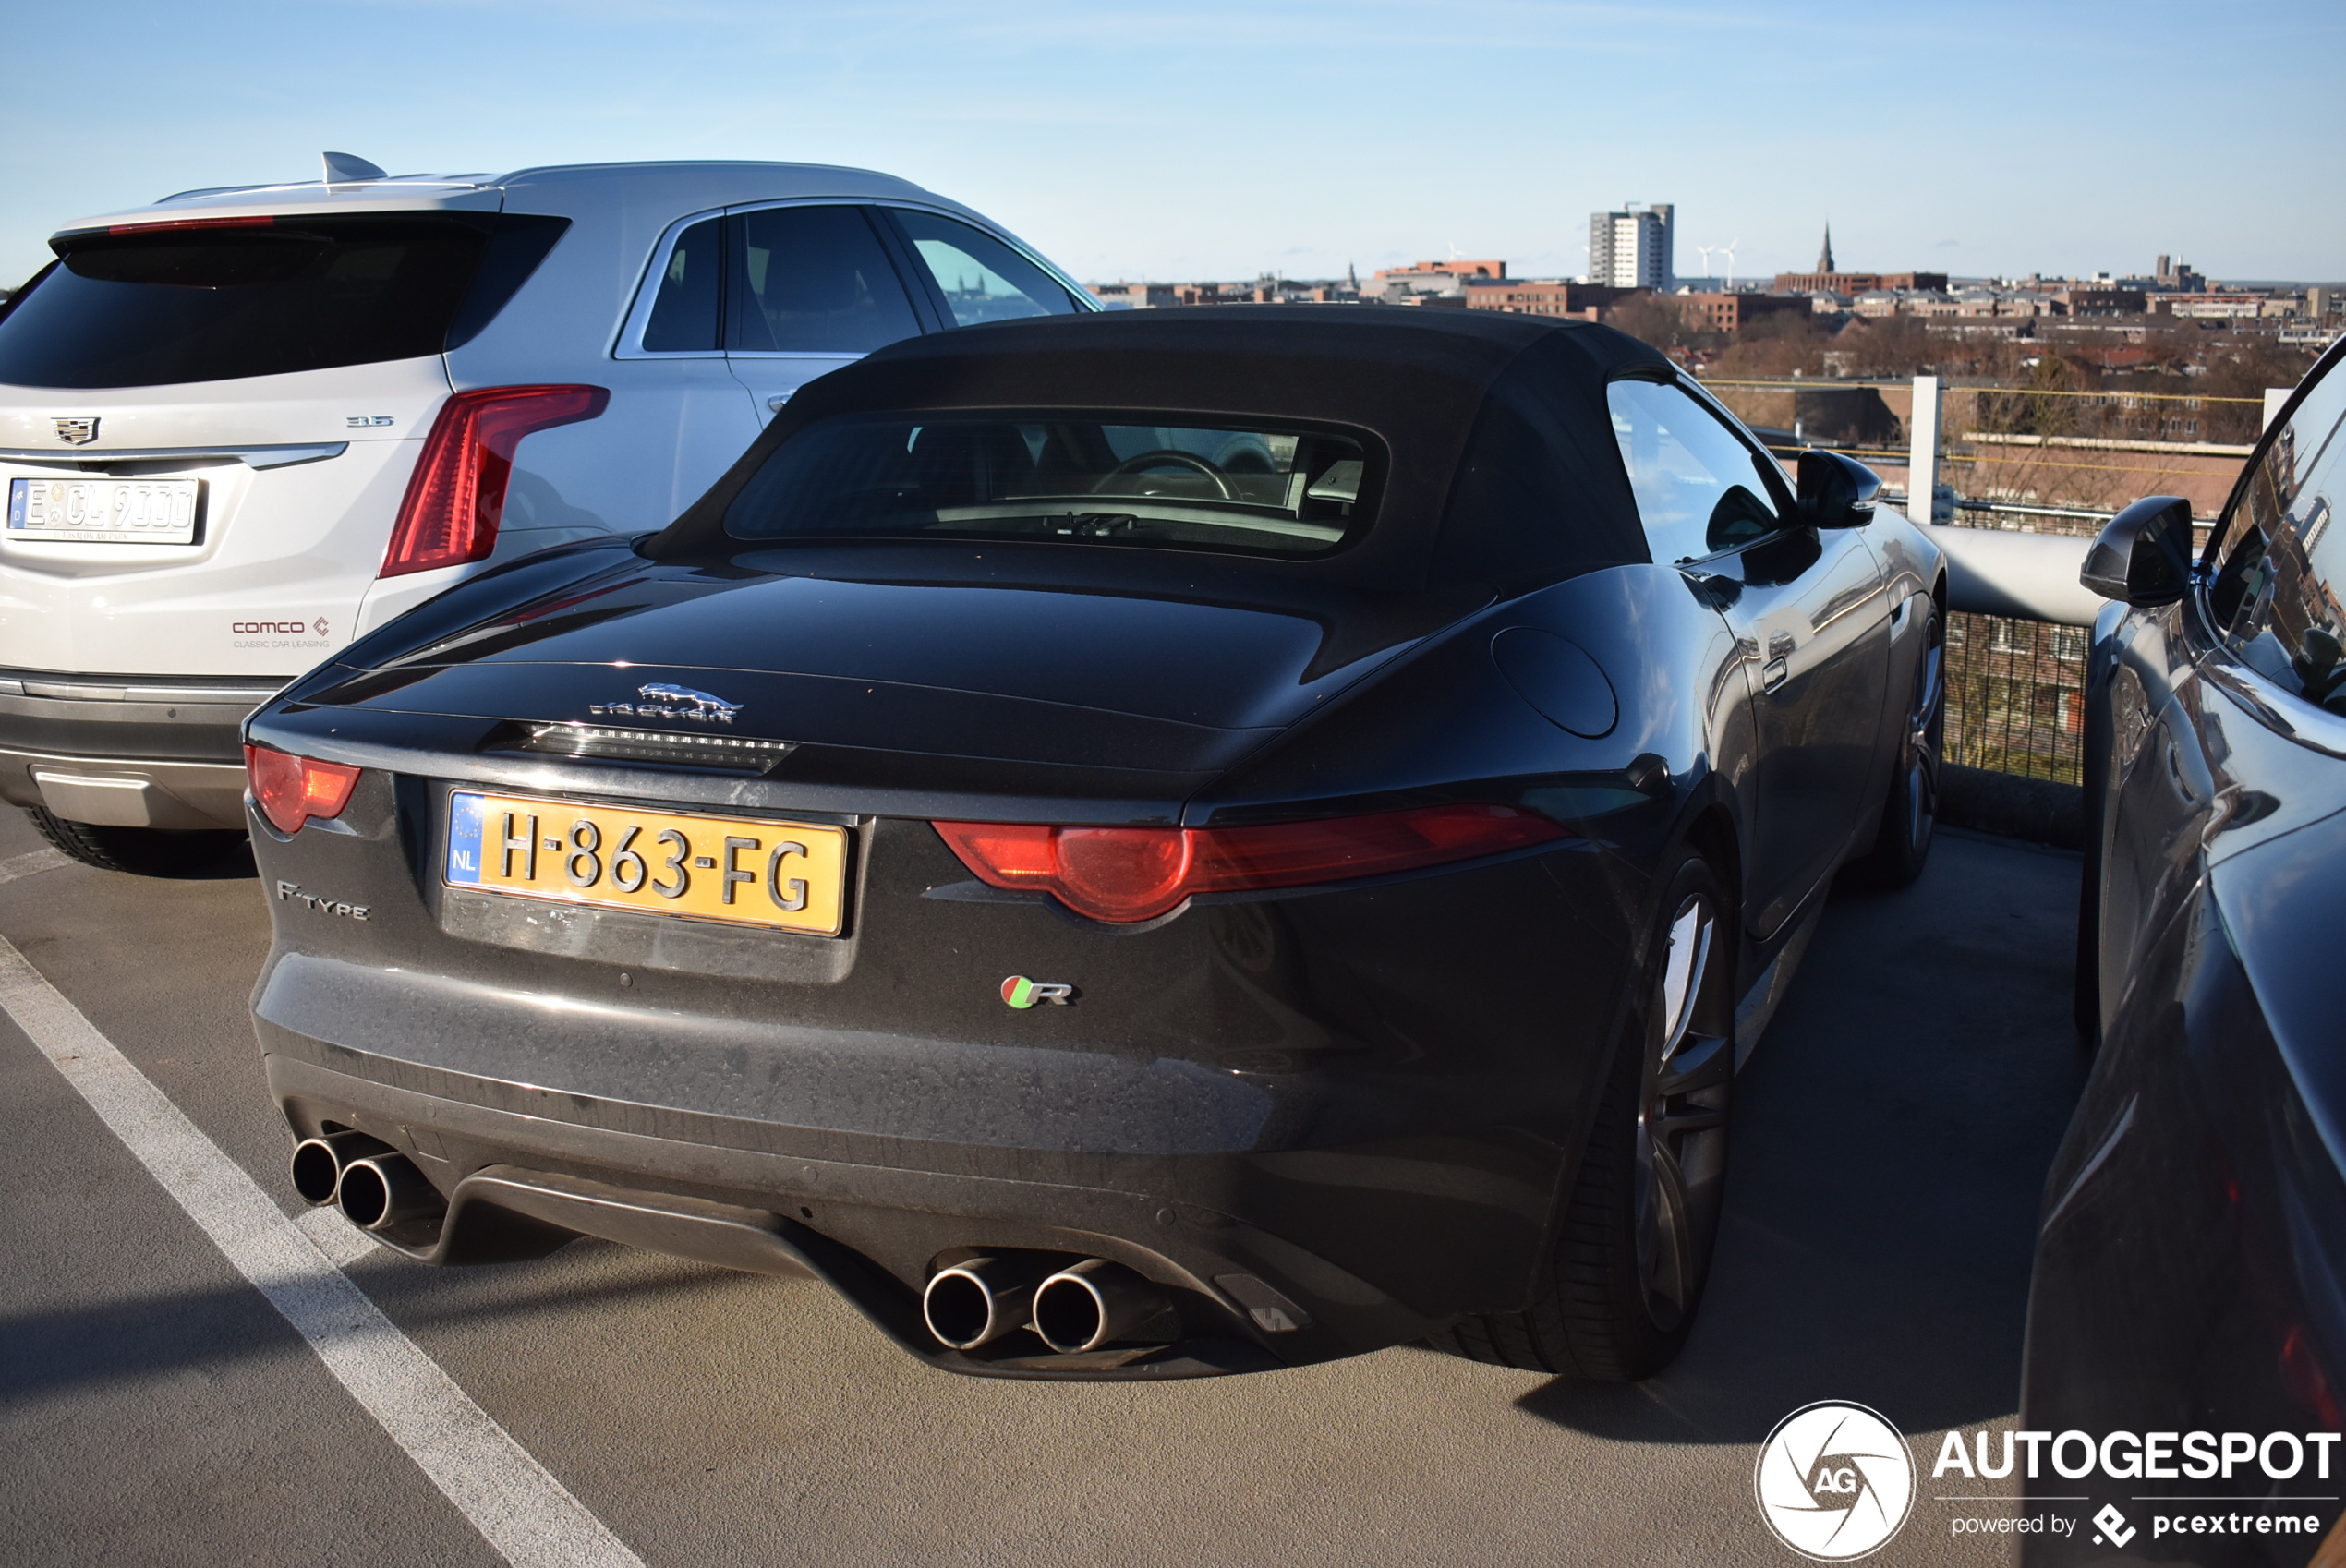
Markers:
(1992, 571)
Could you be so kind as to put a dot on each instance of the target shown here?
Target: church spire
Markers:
(1824, 262)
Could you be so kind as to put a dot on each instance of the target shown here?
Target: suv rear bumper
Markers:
(126, 750)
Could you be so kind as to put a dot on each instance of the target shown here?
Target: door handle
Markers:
(1773, 673)
(2175, 773)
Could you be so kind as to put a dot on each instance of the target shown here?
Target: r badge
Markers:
(1022, 993)
(77, 432)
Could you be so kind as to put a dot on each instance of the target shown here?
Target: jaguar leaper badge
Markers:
(1021, 992)
(77, 432)
(663, 699)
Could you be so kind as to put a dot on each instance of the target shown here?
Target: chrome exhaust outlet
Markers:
(383, 1190)
(1098, 1303)
(982, 1300)
(318, 1162)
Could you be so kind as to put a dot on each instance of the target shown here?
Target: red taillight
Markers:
(292, 789)
(1129, 874)
(261, 223)
(458, 490)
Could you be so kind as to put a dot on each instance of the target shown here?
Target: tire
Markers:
(1617, 1294)
(2085, 995)
(2085, 987)
(141, 852)
(1910, 814)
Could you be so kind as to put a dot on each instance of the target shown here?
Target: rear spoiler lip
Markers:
(292, 203)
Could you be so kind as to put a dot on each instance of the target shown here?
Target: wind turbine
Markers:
(1730, 248)
(1705, 250)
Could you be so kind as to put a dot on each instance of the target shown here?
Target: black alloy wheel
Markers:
(1617, 1294)
(1910, 815)
(1682, 1118)
(140, 851)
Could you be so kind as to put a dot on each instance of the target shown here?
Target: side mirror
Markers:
(2143, 557)
(1836, 491)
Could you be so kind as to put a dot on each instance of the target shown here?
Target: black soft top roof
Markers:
(1504, 468)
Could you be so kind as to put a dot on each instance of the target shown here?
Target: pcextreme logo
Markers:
(1835, 1481)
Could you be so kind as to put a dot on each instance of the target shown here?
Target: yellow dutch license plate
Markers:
(791, 876)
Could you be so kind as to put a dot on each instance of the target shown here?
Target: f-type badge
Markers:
(1022, 993)
(663, 700)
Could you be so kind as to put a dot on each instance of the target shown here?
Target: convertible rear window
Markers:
(1087, 478)
(214, 302)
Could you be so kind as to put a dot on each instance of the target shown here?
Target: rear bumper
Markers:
(128, 750)
(523, 1181)
(1324, 1123)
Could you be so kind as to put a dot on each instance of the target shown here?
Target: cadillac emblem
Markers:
(77, 432)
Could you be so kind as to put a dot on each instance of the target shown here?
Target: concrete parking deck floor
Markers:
(1892, 1136)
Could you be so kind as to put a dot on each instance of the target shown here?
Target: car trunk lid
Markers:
(918, 659)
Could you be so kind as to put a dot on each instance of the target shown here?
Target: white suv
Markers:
(242, 427)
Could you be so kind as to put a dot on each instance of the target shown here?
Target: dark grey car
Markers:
(2191, 1271)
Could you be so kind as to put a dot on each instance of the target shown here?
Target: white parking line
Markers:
(511, 1498)
(26, 865)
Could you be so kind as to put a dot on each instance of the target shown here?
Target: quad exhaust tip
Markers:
(1086, 1306)
(385, 1190)
(317, 1163)
(982, 1298)
(1097, 1303)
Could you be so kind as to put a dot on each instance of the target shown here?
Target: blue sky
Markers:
(1217, 139)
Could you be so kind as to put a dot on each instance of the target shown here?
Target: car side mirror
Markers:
(1836, 491)
(2143, 557)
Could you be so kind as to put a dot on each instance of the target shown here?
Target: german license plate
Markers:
(104, 511)
(791, 876)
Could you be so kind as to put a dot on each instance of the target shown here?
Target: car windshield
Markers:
(1115, 479)
(254, 297)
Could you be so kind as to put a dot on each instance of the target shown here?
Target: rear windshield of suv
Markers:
(216, 302)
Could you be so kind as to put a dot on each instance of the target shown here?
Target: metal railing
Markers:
(2018, 620)
(2016, 682)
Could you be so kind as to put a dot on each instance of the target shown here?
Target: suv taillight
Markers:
(458, 490)
(291, 789)
(1129, 874)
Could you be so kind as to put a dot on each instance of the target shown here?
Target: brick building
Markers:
(1526, 297)
(1446, 269)
(1858, 283)
(1733, 312)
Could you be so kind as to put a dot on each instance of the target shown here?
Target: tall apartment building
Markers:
(1633, 248)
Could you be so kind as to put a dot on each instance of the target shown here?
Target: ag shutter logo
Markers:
(1835, 1481)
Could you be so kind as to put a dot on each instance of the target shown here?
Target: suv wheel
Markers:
(141, 852)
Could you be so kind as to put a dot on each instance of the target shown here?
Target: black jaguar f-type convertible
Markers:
(1132, 846)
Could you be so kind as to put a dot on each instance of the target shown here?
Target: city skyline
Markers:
(1217, 139)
